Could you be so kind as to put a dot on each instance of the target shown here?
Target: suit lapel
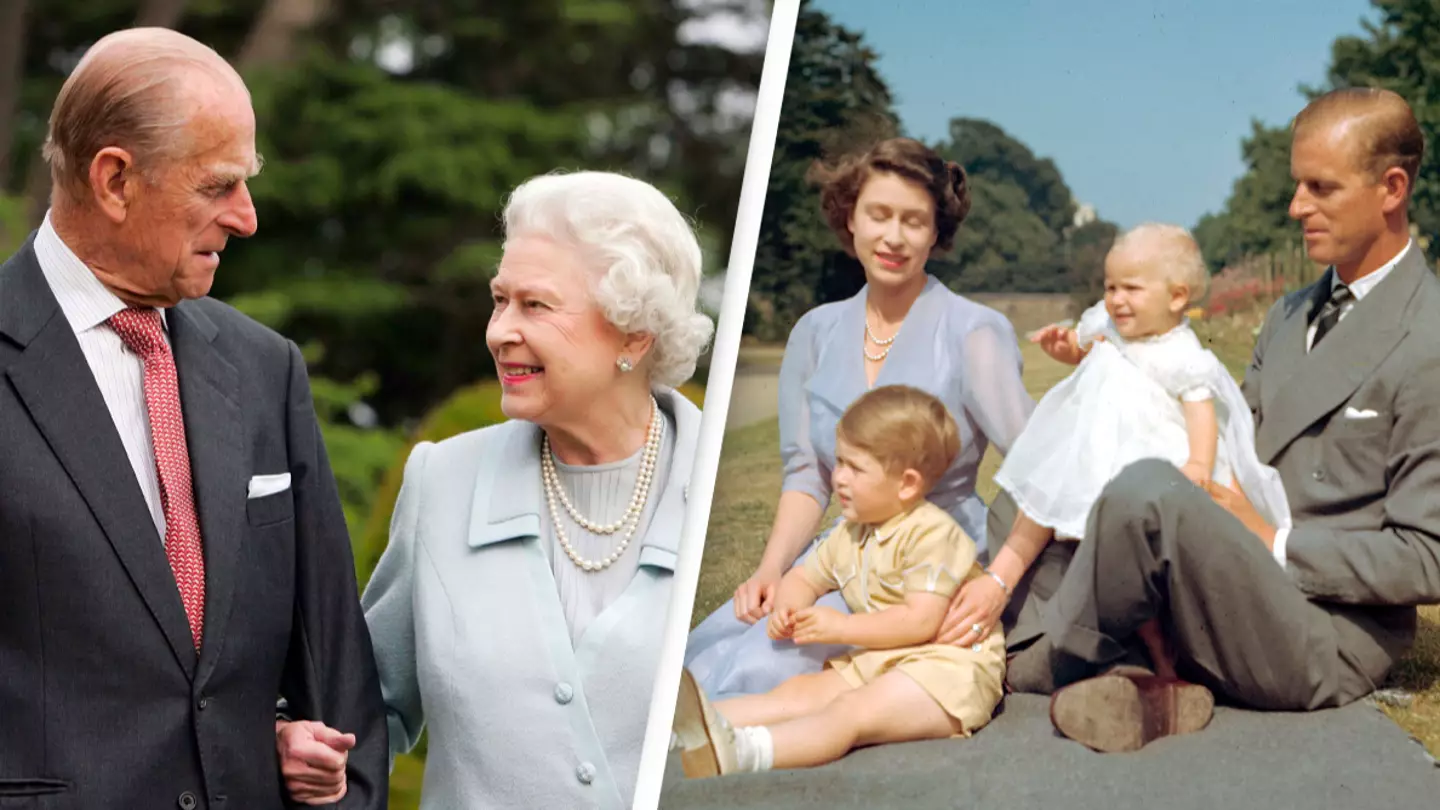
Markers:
(214, 434)
(1321, 380)
(1286, 354)
(54, 381)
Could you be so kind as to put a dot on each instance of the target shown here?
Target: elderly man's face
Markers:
(182, 219)
(554, 350)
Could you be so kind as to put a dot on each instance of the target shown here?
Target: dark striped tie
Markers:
(1329, 314)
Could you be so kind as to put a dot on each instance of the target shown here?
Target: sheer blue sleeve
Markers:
(802, 471)
(995, 389)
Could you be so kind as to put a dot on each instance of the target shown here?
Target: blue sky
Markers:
(1142, 105)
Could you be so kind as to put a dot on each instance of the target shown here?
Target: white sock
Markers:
(754, 749)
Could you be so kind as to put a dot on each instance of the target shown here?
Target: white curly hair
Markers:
(647, 258)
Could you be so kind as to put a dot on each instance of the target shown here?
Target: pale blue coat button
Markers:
(563, 693)
(585, 773)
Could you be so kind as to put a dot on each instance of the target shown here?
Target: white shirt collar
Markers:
(86, 302)
(1370, 281)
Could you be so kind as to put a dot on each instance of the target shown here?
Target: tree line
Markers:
(391, 132)
(1397, 52)
(1021, 234)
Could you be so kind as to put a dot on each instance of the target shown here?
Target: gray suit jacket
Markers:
(104, 702)
(1364, 489)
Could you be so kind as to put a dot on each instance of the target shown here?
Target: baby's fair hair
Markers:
(904, 428)
(1170, 250)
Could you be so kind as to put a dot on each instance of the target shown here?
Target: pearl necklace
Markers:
(878, 341)
(870, 336)
(630, 520)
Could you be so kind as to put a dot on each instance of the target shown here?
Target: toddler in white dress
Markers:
(1144, 388)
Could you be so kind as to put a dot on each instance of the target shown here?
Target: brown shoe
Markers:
(705, 739)
(1127, 708)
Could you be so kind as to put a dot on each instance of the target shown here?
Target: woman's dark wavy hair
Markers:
(945, 180)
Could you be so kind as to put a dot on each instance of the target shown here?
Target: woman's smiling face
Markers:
(893, 225)
(554, 350)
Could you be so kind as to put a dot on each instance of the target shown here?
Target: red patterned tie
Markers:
(141, 331)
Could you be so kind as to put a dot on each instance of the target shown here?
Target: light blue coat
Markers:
(472, 643)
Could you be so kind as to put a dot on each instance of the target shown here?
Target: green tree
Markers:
(392, 131)
(1022, 215)
(834, 101)
(987, 151)
(1255, 219)
(1398, 52)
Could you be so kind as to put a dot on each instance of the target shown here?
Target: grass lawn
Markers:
(748, 485)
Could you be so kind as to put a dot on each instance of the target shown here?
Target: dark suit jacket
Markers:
(103, 700)
(1354, 430)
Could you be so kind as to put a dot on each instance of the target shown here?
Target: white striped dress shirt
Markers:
(119, 373)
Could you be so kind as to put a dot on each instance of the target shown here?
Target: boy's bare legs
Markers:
(796, 697)
(892, 709)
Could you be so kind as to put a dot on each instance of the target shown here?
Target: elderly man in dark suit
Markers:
(173, 557)
(1343, 387)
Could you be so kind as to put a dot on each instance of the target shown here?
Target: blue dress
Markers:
(962, 352)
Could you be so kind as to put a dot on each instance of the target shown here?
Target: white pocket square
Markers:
(1351, 413)
(262, 485)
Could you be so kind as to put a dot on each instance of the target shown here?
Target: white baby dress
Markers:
(1123, 404)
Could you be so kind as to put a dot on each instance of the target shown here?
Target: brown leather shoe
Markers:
(1127, 708)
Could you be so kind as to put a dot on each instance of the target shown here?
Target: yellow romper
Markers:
(875, 567)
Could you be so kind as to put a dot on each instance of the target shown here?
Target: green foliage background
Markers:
(1021, 234)
(1400, 52)
(391, 133)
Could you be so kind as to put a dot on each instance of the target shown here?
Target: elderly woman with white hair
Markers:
(519, 607)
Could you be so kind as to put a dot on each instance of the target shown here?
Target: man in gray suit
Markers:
(173, 556)
(1343, 386)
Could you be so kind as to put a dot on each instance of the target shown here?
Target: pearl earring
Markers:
(625, 365)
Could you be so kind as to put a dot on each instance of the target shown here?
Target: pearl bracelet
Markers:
(996, 577)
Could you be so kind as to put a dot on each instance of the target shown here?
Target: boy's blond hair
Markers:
(904, 428)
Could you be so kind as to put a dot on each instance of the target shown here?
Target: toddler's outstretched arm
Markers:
(1204, 432)
(915, 622)
(1062, 343)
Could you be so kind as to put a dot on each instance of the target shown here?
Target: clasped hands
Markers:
(815, 624)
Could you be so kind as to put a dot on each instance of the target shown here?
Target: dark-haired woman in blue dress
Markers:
(893, 207)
